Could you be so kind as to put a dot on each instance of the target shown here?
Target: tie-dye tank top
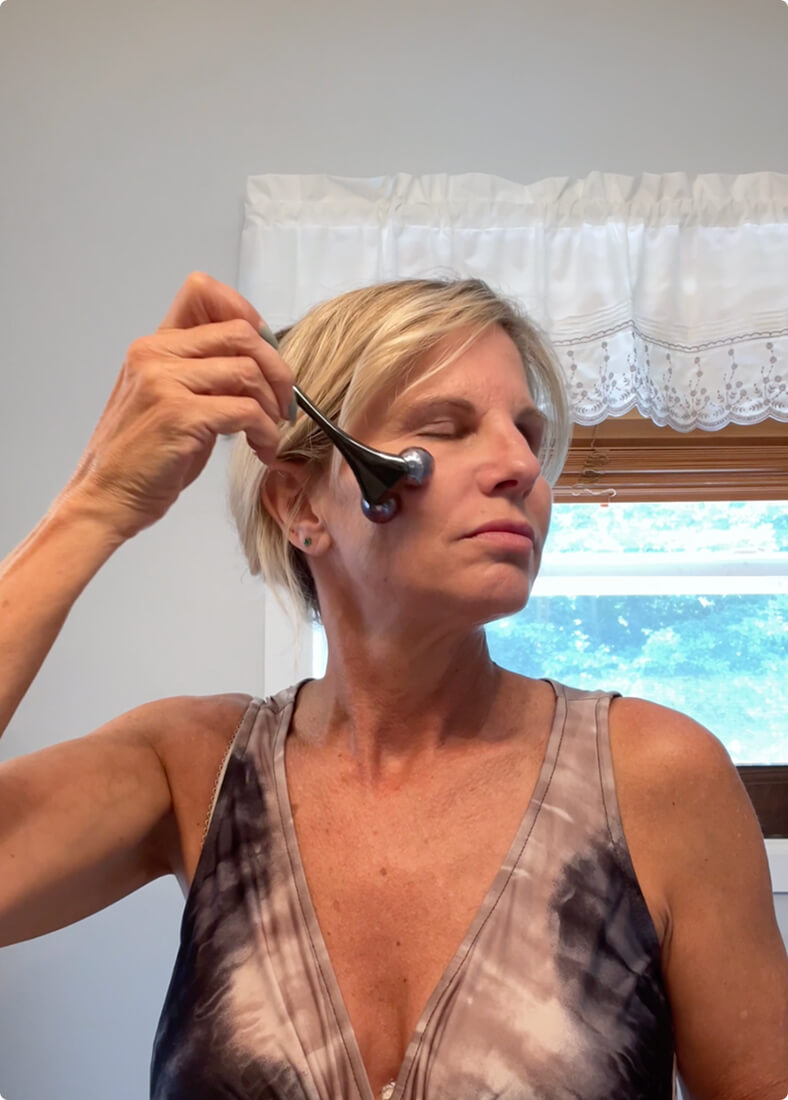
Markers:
(555, 993)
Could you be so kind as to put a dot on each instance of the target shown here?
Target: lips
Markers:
(515, 527)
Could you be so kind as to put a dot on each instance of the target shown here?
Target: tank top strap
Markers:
(245, 778)
(582, 787)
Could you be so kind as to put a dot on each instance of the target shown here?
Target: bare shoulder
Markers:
(671, 774)
(723, 959)
(668, 761)
(192, 727)
(191, 735)
(649, 733)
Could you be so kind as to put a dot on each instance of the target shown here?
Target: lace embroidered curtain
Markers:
(665, 293)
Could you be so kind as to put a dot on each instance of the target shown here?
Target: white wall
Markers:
(127, 132)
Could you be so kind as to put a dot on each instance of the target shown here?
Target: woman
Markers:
(422, 875)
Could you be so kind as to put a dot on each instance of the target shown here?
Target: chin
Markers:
(474, 599)
(491, 605)
(505, 612)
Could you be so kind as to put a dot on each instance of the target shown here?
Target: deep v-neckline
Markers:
(496, 889)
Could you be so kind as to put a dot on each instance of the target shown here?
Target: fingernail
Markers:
(293, 412)
(268, 336)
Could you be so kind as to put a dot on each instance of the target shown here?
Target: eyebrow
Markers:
(420, 410)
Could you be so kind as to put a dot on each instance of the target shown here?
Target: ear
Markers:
(285, 483)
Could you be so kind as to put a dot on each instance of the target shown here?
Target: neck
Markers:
(390, 705)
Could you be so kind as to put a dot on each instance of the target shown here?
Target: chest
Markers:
(397, 882)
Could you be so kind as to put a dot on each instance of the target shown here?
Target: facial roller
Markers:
(377, 473)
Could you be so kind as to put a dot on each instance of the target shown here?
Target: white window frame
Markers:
(589, 574)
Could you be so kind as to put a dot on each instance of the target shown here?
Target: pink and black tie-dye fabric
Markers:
(556, 992)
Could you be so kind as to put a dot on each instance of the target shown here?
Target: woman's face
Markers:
(478, 420)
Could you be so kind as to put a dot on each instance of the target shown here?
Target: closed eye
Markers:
(442, 431)
(533, 434)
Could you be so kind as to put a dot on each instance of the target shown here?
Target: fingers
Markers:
(220, 341)
(210, 343)
(203, 300)
(228, 415)
(231, 376)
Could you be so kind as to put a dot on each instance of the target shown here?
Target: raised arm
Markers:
(206, 371)
(85, 822)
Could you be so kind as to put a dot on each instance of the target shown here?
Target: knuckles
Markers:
(240, 332)
(141, 364)
(198, 281)
(247, 372)
(138, 352)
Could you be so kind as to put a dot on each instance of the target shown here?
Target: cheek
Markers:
(340, 494)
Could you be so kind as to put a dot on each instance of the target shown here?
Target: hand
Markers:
(205, 372)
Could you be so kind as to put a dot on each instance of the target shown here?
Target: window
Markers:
(686, 604)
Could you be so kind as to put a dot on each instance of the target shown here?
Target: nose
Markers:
(508, 462)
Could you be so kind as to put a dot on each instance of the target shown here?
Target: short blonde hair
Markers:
(354, 348)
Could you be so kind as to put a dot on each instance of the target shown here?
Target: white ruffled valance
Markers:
(665, 293)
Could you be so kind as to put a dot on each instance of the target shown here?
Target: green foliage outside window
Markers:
(723, 659)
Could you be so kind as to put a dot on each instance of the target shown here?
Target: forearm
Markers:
(39, 583)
